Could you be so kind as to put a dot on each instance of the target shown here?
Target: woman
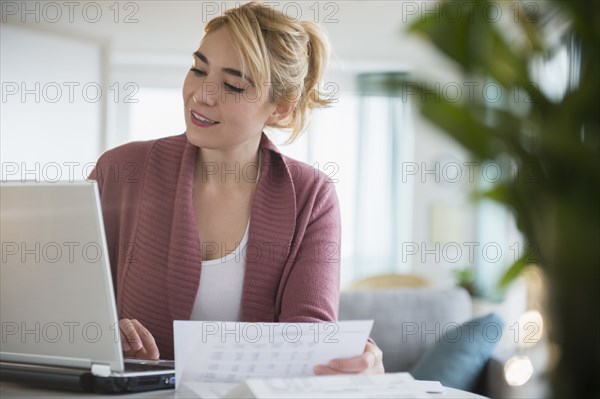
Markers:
(216, 224)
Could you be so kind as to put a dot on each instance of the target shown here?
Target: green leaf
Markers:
(473, 41)
(458, 121)
(516, 269)
(498, 193)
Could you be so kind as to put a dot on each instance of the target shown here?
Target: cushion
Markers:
(403, 318)
(458, 358)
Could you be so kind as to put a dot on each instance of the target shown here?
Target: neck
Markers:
(230, 168)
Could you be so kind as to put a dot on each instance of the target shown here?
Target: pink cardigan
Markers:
(293, 256)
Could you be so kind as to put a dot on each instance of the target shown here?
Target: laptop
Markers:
(57, 305)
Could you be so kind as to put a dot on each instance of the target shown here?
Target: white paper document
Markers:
(393, 385)
(229, 352)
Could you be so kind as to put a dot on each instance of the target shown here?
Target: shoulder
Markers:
(298, 172)
(303, 174)
(314, 190)
(136, 152)
(309, 183)
(128, 163)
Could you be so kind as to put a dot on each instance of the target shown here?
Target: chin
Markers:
(199, 139)
(218, 140)
(211, 141)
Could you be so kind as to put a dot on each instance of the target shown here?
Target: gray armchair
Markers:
(408, 321)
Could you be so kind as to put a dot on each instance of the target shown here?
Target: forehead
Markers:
(218, 48)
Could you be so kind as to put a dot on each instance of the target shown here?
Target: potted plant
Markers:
(555, 143)
(465, 278)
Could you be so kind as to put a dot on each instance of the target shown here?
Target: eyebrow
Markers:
(230, 71)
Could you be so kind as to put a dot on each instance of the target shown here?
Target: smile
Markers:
(202, 119)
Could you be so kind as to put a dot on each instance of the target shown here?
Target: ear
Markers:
(281, 112)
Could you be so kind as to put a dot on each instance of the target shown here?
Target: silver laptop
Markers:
(58, 312)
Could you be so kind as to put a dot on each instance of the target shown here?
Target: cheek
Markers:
(187, 87)
(236, 112)
(246, 117)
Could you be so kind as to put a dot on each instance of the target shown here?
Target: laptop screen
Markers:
(57, 301)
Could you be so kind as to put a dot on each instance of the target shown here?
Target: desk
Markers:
(12, 390)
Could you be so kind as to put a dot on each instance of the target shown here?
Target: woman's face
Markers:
(223, 109)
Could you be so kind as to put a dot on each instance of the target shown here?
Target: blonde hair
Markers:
(289, 56)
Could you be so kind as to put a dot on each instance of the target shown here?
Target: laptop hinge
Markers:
(101, 370)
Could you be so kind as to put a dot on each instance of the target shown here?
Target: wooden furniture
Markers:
(386, 281)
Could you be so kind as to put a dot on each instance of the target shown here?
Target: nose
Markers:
(206, 93)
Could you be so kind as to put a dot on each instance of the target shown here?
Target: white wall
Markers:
(52, 121)
(442, 213)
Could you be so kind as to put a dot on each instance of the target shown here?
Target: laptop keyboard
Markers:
(149, 366)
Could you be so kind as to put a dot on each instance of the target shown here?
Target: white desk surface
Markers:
(12, 390)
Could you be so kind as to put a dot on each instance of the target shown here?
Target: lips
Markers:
(201, 120)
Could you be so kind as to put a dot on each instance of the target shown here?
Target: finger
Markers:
(148, 343)
(124, 344)
(325, 370)
(356, 364)
(369, 362)
(372, 348)
(132, 338)
(372, 362)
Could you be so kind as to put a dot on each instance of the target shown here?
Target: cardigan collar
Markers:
(272, 226)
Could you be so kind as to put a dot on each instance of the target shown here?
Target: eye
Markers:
(233, 88)
(197, 71)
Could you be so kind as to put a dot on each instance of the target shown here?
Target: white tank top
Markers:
(219, 296)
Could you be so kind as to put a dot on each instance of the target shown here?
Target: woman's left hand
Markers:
(370, 362)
